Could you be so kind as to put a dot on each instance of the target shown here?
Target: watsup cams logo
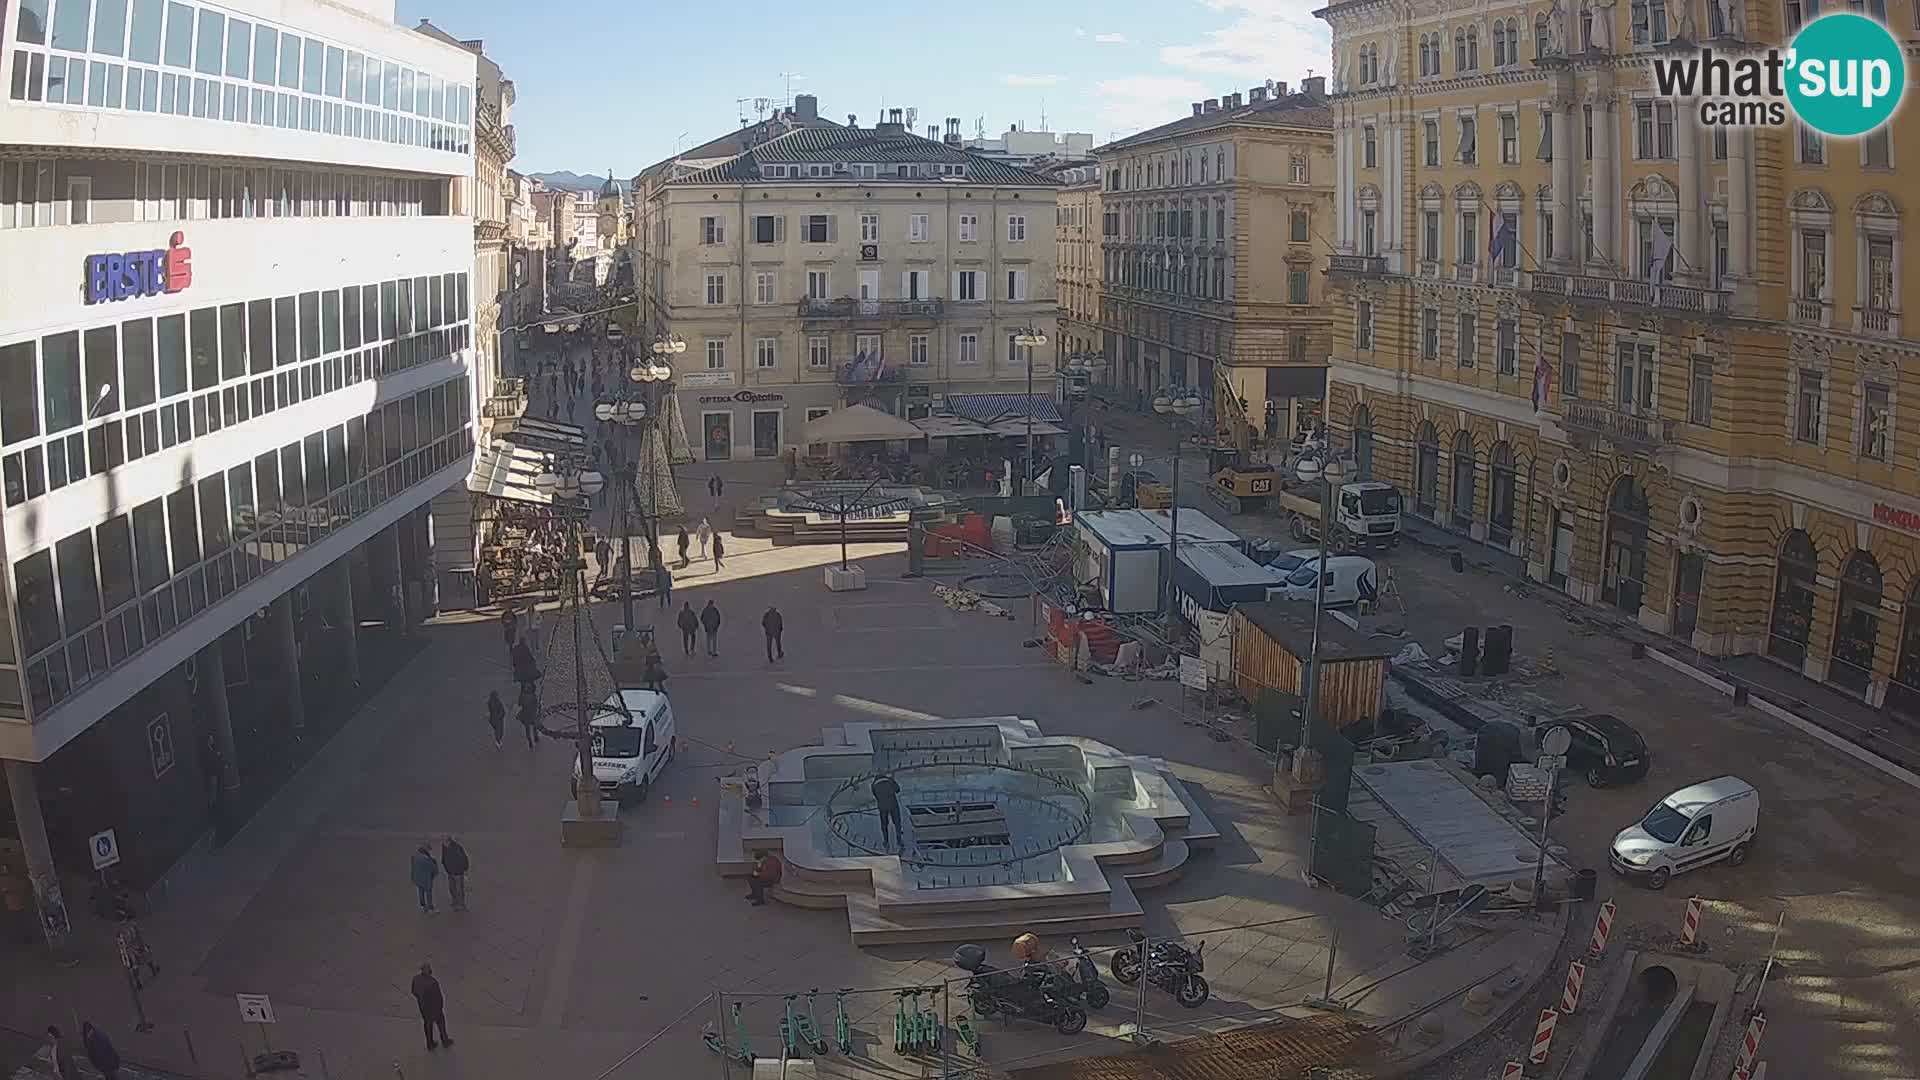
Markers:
(1843, 75)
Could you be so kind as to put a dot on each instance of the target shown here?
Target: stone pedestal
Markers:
(851, 579)
(577, 831)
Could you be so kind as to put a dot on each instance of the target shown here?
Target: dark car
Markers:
(1606, 750)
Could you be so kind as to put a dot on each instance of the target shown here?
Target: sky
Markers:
(621, 84)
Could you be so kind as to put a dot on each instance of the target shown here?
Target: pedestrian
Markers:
(710, 621)
(773, 624)
(719, 549)
(529, 711)
(510, 625)
(663, 583)
(497, 718)
(526, 671)
(886, 796)
(454, 858)
(685, 540)
(60, 1055)
(715, 485)
(767, 870)
(689, 623)
(602, 551)
(100, 1050)
(135, 953)
(705, 535)
(424, 870)
(433, 1005)
(655, 676)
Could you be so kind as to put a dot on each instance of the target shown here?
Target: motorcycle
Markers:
(1082, 977)
(1168, 965)
(1035, 992)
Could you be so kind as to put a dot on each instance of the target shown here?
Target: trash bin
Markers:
(1585, 882)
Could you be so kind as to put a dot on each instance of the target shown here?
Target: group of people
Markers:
(426, 870)
(94, 1045)
(691, 623)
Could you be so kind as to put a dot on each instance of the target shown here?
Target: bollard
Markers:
(1690, 927)
(1512, 1070)
(1570, 997)
(1749, 1047)
(1602, 929)
(1542, 1042)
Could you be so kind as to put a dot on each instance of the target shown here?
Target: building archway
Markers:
(1623, 571)
(1362, 428)
(1500, 495)
(1463, 479)
(1797, 570)
(1426, 471)
(1856, 627)
(1903, 693)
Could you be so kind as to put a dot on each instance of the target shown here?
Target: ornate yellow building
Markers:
(1721, 439)
(1081, 255)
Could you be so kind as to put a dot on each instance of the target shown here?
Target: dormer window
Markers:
(775, 172)
(953, 170)
(865, 172)
(904, 172)
(820, 171)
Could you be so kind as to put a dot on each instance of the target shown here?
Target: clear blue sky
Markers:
(615, 84)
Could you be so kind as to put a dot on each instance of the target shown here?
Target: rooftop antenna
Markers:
(789, 76)
(980, 127)
(1043, 114)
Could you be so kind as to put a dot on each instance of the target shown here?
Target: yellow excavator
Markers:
(1239, 483)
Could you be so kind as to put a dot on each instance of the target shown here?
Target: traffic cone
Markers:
(666, 800)
(696, 802)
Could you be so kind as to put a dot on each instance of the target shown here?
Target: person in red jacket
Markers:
(767, 870)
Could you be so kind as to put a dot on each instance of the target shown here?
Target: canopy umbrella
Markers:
(858, 423)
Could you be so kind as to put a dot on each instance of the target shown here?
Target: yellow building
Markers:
(1214, 232)
(1726, 441)
(1081, 255)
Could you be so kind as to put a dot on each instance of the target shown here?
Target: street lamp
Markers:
(1177, 407)
(571, 486)
(1329, 474)
(626, 414)
(1029, 338)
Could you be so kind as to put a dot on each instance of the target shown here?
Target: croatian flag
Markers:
(1542, 379)
(1501, 243)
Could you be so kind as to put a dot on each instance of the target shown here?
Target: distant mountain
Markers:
(573, 181)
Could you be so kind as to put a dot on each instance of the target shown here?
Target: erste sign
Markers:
(131, 274)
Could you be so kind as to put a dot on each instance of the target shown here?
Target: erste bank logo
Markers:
(1843, 75)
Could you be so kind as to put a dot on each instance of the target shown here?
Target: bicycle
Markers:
(799, 1030)
(968, 1035)
(743, 1052)
(842, 1025)
(902, 1026)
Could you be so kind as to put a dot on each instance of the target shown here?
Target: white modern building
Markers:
(234, 368)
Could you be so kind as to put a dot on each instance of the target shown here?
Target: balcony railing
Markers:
(1807, 309)
(869, 373)
(503, 407)
(1628, 431)
(1369, 265)
(1625, 292)
(1877, 321)
(849, 308)
(1506, 276)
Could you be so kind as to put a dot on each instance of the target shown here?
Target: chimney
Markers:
(953, 131)
(1316, 86)
(893, 124)
(1256, 95)
(933, 132)
(806, 106)
(853, 121)
(1231, 101)
(1213, 104)
(1279, 89)
(1199, 107)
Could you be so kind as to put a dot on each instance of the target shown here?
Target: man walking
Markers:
(529, 711)
(715, 485)
(497, 718)
(453, 857)
(100, 1050)
(773, 624)
(663, 579)
(424, 871)
(602, 551)
(710, 621)
(886, 795)
(689, 623)
(719, 549)
(685, 540)
(510, 626)
(433, 1005)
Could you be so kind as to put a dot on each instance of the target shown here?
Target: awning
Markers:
(987, 408)
(947, 427)
(506, 471)
(537, 434)
(1016, 427)
(858, 423)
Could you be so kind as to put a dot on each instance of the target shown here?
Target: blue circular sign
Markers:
(1846, 73)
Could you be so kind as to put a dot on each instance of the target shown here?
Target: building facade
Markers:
(1214, 230)
(1661, 361)
(1080, 257)
(835, 264)
(217, 453)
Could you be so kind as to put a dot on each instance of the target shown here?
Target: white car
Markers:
(630, 752)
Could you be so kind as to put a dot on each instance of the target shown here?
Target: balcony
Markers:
(1625, 292)
(1809, 310)
(847, 307)
(1876, 322)
(1362, 265)
(869, 373)
(1629, 432)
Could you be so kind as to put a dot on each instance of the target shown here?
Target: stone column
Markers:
(1566, 196)
(342, 587)
(1606, 175)
(1342, 148)
(286, 645)
(1740, 203)
(211, 666)
(23, 785)
(1690, 265)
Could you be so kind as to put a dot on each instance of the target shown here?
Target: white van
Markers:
(629, 753)
(1350, 579)
(1691, 828)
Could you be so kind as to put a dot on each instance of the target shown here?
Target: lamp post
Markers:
(1329, 474)
(626, 413)
(1177, 408)
(572, 487)
(1029, 338)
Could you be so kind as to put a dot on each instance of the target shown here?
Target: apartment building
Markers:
(832, 264)
(1080, 256)
(235, 355)
(1663, 362)
(1215, 229)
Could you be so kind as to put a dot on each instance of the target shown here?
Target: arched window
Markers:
(1499, 43)
(1500, 495)
(1460, 49)
(1426, 471)
(1463, 476)
(1362, 427)
(1540, 35)
(1797, 568)
(1856, 629)
(1473, 48)
(1623, 573)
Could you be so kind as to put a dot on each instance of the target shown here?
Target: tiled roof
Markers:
(863, 146)
(986, 408)
(1294, 110)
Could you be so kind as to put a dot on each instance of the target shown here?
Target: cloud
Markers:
(1109, 39)
(1130, 104)
(1079, 31)
(1033, 80)
(1266, 39)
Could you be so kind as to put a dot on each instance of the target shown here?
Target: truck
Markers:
(1366, 513)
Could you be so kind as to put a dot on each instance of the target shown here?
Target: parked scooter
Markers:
(1082, 977)
(1169, 965)
(1036, 992)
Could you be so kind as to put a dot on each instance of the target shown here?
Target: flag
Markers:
(1662, 251)
(1542, 379)
(1501, 241)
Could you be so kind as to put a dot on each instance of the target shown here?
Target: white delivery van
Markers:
(1691, 828)
(1350, 579)
(629, 752)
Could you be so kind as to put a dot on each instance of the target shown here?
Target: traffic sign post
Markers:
(106, 849)
(1553, 755)
(257, 1009)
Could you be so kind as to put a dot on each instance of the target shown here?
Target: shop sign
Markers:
(693, 379)
(132, 274)
(1896, 517)
(744, 397)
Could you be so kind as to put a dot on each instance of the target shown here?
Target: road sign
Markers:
(1551, 762)
(255, 1008)
(1193, 673)
(106, 849)
(1556, 741)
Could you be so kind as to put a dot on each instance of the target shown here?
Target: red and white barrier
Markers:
(1512, 1070)
(1543, 1037)
(1602, 929)
(1690, 929)
(1576, 977)
(1749, 1047)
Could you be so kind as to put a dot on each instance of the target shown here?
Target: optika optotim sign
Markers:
(133, 274)
(1843, 75)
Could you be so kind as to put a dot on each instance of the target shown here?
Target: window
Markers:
(763, 288)
(1509, 139)
(1569, 365)
(1363, 324)
(1296, 286)
(1430, 235)
(819, 352)
(1506, 240)
(1546, 233)
(917, 231)
(1634, 378)
(1297, 170)
(1016, 228)
(1808, 426)
(1469, 252)
(1878, 296)
(79, 200)
(1876, 413)
(969, 352)
(766, 353)
(819, 287)
(819, 229)
(1649, 22)
(713, 230)
(1368, 147)
(1017, 284)
(1546, 134)
(1296, 226)
(1720, 263)
(1369, 232)
(1540, 34)
(1812, 147)
(1813, 264)
(1460, 51)
(969, 225)
(966, 285)
(1653, 130)
(1469, 139)
(1506, 343)
(1876, 151)
(1430, 334)
(916, 285)
(769, 229)
(1296, 346)
(917, 350)
(869, 228)
(1018, 355)
(1700, 391)
(717, 288)
(1466, 339)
